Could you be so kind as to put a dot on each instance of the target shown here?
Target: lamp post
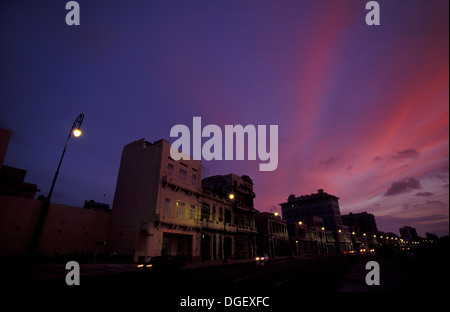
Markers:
(76, 132)
(33, 247)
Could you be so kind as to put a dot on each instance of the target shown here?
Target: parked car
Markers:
(262, 258)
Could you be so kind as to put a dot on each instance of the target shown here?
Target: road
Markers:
(298, 274)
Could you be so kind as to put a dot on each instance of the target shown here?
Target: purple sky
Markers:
(362, 111)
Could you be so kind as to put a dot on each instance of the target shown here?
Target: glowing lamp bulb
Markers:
(77, 132)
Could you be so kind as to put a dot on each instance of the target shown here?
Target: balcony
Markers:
(218, 226)
(246, 229)
(170, 220)
(230, 227)
(178, 185)
(212, 225)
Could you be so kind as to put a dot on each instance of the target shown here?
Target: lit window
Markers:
(193, 212)
(180, 209)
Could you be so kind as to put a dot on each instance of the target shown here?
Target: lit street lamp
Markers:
(34, 244)
(76, 132)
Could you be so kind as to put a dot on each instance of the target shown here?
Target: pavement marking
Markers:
(242, 278)
(282, 282)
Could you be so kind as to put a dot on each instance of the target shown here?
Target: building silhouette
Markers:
(365, 234)
(323, 205)
(409, 233)
(363, 222)
(12, 179)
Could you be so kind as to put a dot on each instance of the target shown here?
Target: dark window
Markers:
(227, 216)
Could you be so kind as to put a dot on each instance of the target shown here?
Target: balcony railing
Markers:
(213, 225)
(246, 228)
(184, 186)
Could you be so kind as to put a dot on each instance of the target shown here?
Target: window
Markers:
(170, 170)
(220, 214)
(183, 175)
(193, 212)
(214, 213)
(194, 179)
(205, 211)
(227, 215)
(180, 209)
(167, 207)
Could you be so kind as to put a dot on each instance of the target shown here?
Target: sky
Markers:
(362, 111)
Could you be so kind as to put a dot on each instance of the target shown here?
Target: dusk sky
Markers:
(362, 111)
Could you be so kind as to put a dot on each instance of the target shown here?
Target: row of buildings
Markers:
(164, 207)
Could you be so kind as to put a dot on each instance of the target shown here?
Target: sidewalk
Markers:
(393, 277)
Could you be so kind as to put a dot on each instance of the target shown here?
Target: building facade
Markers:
(239, 189)
(309, 236)
(156, 204)
(272, 237)
(364, 230)
(323, 205)
(161, 208)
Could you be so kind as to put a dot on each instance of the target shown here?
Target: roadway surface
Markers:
(277, 275)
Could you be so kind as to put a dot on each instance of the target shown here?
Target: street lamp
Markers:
(76, 132)
(33, 247)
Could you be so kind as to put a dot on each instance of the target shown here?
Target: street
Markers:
(280, 283)
(277, 275)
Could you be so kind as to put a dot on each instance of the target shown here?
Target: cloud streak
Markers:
(404, 186)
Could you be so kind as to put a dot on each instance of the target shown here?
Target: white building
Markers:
(160, 208)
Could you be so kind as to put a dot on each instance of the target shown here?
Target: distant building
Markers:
(309, 236)
(272, 237)
(431, 237)
(363, 222)
(409, 233)
(323, 205)
(92, 204)
(364, 230)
